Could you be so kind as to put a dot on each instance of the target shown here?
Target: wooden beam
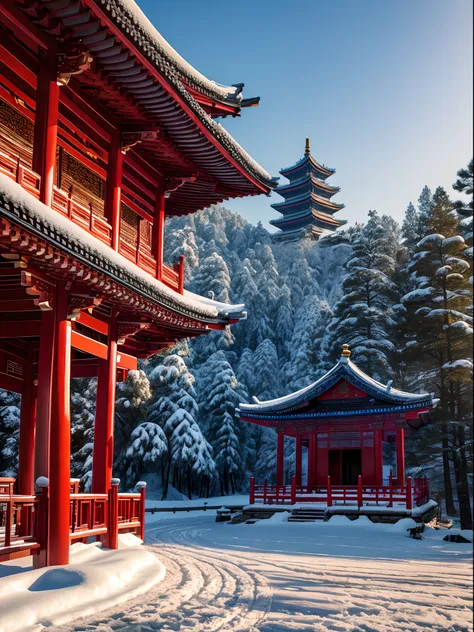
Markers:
(20, 329)
(126, 361)
(87, 345)
(93, 323)
(11, 383)
(23, 23)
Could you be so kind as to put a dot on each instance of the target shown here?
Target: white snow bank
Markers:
(95, 579)
(277, 519)
(403, 525)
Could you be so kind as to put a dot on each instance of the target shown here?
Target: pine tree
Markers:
(267, 373)
(221, 396)
(411, 227)
(464, 184)
(9, 433)
(83, 400)
(438, 310)
(363, 318)
(136, 443)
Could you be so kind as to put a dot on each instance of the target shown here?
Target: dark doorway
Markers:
(351, 466)
(335, 467)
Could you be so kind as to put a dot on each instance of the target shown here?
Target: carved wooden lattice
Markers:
(16, 134)
(129, 225)
(145, 233)
(87, 187)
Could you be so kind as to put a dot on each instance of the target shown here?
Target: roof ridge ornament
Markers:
(307, 149)
(346, 353)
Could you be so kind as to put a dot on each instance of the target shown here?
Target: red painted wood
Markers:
(252, 491)
(322, 461)
(400, 451)
(43, 408)
(60, 439)
(313, 459)
(359, 491)
(46, 125)
(159, 231)
(280, 458)
(114, 187)
(342, 390)
(409, 494)
(93, 323)
(27, 429)
(88, 345)
(113, 508)
(104, 416)
(298, 460)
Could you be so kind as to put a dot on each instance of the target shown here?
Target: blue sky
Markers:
(382, 87)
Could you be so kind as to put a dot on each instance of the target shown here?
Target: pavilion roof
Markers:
(344, 369)
(141, 83)
(328, 171)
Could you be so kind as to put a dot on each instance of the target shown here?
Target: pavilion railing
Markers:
(66, 203)
(413, 493)
(24, 519)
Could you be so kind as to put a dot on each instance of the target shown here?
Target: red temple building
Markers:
(104, 131)
(343, 420)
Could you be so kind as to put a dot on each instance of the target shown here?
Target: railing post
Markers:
(329, 496)
(112, 527)
(252, 491)
(293, 490)
(41, 523)
(426, 489)
(409, 494)
(359, 491)
(390, 490)
(141, 485)
(181, 274)
(265, 490)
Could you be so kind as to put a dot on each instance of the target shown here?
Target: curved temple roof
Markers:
(350, 372)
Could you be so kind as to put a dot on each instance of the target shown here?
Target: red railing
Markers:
(11, 166)
(17, 522)
(414, 493)
(23, 519)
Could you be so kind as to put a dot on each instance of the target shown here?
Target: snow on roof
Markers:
(343, 369)
(140, 21)
(50, 223)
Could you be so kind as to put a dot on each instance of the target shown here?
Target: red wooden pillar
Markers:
(112, 528)
(103, 453)
(46, 124)
(60, 439)
(159, 230)
(26, 459)
(43, 408)
(280, 458)
(378, 457)
(298, 463)
(400, 448)
(312, 459)
(114, 187)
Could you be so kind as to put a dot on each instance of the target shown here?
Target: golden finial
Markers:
(307, 150)
(346, 351)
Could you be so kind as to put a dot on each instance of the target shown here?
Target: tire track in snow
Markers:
(202, 591)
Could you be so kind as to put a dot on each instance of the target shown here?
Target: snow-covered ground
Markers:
(95, 579)
(274, 576)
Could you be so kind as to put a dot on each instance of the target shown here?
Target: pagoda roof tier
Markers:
(285, 190)
(322, 219)
(138, 83)
(323, 203)
(344, 391)
(76, 249)
(307, 161)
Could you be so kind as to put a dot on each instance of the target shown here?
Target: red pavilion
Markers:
(343, 420)
(104, 131)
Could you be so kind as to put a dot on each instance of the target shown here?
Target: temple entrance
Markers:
(344, 466)
(351, 466)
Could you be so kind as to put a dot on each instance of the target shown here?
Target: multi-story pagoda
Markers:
(104, 131)
(307, 207)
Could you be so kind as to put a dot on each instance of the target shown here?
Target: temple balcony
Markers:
(81, 199)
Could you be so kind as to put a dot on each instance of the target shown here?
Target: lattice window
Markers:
(129, 225)
(145, 233)
(87, 187)
(16, 134)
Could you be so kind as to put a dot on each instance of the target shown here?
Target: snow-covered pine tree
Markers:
(267, 371)
(9, 433)
(411, 227)
(363, 317)
(220, 395)
(443, 345)
(83, 400)
(137, 443)
(464, 184)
